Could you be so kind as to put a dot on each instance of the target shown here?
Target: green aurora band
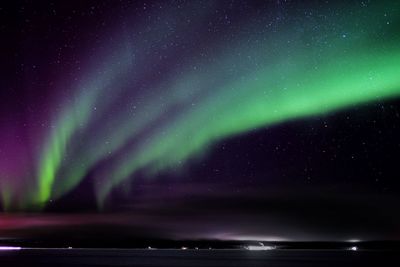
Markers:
(257, 80)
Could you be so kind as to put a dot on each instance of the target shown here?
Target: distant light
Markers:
(251, 247)
(69, 247)
(354, 248)
(184, 248)
(10, 248)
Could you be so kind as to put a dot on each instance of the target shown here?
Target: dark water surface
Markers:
(171, 258)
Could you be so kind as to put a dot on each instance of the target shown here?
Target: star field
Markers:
(226, 98)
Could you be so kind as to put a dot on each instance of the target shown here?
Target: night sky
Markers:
(232, 120)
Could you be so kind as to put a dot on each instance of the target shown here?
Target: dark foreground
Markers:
(187, 258)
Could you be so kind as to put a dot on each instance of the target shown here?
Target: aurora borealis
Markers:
(106, 94)
(261, 78)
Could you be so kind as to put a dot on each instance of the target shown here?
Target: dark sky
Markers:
(157, 119)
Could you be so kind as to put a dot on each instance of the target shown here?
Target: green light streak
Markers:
(259, 101)
(74, 119)
(255, 81)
